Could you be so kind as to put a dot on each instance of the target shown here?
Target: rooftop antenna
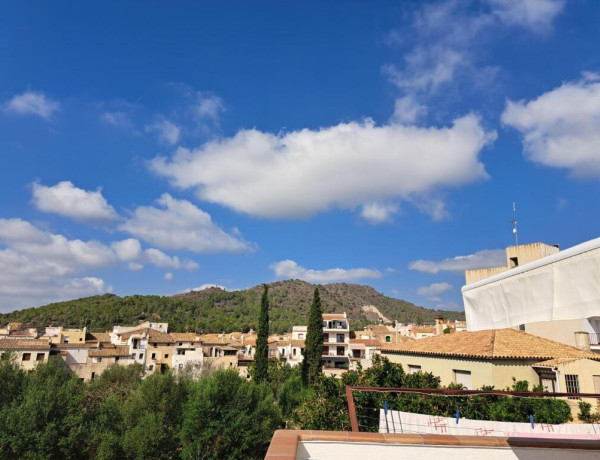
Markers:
(514, 222)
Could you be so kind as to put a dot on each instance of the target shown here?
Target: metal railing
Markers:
(594, 338)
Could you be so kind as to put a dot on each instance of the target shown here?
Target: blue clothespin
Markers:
(531, 421)
(457, 415)
(385, 407)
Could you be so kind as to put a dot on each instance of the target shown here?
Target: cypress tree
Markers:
(261, 357)
(313, 349)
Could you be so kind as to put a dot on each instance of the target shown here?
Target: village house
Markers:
(496, 357)
(27, 353)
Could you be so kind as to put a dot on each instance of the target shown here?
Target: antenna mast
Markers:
(514, 222)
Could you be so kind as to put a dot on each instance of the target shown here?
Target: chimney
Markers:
(582, 340)
(439, 325)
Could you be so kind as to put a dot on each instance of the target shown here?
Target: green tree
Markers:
(261, 357)
(46, 421)
(312, 363)
(228, 417)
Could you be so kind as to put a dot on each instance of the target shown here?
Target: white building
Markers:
(556, 296)
(336, 341)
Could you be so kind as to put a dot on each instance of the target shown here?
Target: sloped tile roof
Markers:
(102, 337)
(27, 344)
(490, 344)
(184, 337)
(152, 334)
(366, 342)
(110, 352)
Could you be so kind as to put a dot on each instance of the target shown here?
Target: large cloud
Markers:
(38, 267)
(301, 173)
(458, 264)
(70, 201)
(181, 225)
(433, 291)
(290, 269)
(561, 128)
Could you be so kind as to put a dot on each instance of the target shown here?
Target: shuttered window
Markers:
(463, 378)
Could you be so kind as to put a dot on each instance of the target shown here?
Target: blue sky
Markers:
(150, 148)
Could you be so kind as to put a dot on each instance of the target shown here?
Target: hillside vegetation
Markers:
(216, 310)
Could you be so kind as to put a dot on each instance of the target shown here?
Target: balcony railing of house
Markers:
(594, 338)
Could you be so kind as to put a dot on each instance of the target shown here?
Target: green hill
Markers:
(216, 310)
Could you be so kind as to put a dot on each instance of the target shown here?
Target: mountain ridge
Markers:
(217, 310)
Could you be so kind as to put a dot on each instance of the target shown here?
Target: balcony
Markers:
(594, 338)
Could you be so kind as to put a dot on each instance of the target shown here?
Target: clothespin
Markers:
(457, 415)
(531, 421)
(385, 407)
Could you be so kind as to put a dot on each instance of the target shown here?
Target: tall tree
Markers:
(313, 349)
(261, 357)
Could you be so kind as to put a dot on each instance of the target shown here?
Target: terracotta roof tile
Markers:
(102, 337)
(491, 344)
(28, 344)
(110, 352)
(184, 337)
(366, 342)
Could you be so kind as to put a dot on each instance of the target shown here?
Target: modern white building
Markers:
(336, 341)
(556, 296)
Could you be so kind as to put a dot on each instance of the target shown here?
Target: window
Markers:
(151, 367)
(572, 383)
(153, 355)
(463, 378)
(388, 338)
(180, 344)
(141, 356)
(66, 339)
(514, 262)
(413, 368)
(294, 351)
(166, 355)
(40, 357)
(26, 356)
(80, 339)
(596, 383)
(300, 336)
(521, 327)
(93, 375)
(181, 366)
(116, 358)
(181, 352)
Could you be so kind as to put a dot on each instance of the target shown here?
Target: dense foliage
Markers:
(312, 363)
(327, 408)
(261, 357)
(215, 310)
(51, 414)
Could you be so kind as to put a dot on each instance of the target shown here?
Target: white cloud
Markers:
(407, 110)
(300, 173)
(446, 40)
(208, 106)
(561, 128)
(73, 202)
(433, 291)
(205, 286)
(128, 250)
(160, 259)
(167, 132)
(38, 267)
(181, 225)
(537, 15)
(290, 269)
(32, 103)
(378, 213)
(481, 259)
(117, 119)
(169, 276)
